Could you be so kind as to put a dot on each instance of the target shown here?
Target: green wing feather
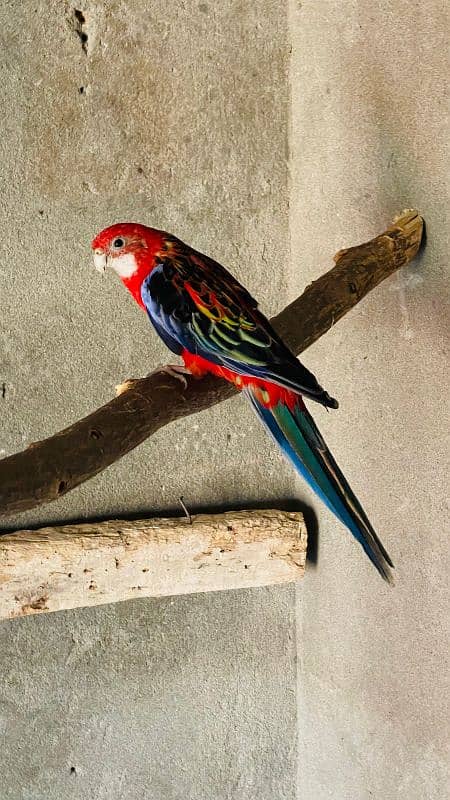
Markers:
(220, 321)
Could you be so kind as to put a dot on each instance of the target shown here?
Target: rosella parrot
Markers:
(205, 316)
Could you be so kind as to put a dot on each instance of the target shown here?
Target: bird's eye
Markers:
(117, 243)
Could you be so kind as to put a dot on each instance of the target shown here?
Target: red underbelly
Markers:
(267, 393)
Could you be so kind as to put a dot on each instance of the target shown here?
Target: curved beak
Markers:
(100, 260)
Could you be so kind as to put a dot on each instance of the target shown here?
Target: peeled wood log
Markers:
(48, 469)
(92, 564)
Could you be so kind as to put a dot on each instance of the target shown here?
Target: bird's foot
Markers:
(177, 371)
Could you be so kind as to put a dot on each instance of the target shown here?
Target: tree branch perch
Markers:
(48, 469)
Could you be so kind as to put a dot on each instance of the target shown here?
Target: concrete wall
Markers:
(370, 137)
(182, 115)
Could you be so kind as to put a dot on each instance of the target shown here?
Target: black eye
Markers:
(117, 243)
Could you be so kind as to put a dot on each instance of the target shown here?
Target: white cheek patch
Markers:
(125, 265)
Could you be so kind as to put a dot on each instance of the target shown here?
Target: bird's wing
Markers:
(195, 304)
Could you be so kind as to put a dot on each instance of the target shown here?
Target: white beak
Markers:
(100, 260)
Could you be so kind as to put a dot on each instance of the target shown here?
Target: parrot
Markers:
(205, 316)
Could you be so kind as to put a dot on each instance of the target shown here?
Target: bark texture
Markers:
(96, 563)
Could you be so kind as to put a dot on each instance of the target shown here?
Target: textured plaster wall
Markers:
(370, 136)
(184, 115)
(182, 122)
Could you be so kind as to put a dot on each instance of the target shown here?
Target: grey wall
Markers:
(192, 697)
(269, 136)
(370, 137)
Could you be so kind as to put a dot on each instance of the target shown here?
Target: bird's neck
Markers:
(145, 261)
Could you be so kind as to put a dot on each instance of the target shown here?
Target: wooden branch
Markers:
(48, 469)
(92, 564)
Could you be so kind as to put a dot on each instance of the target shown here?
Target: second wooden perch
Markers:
(96, 563)
(48, 469)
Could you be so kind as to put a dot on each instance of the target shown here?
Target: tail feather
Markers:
(298, 436)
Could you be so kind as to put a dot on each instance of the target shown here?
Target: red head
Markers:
(130, 250)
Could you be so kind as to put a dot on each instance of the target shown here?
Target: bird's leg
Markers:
(177, 371)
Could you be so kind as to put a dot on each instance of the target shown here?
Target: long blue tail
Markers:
(298, 436)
